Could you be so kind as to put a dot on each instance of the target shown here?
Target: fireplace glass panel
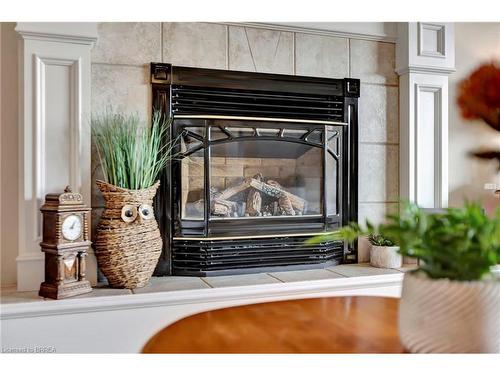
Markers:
(265, 178)
(192, 170)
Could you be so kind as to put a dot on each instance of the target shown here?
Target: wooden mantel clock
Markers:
(65, 242)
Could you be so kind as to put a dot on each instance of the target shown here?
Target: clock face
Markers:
(72, 227)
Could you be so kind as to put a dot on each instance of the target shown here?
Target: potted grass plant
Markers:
(384, 253)
(451, 302)
(132, 155)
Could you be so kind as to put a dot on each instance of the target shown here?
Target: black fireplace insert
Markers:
(266, 162)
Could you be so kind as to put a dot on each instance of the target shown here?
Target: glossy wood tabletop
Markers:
(319, 325)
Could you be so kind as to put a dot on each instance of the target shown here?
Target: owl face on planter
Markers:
(128, 242)
(131, 213)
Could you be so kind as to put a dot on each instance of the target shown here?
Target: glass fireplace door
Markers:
(265, 170)
(255, 170)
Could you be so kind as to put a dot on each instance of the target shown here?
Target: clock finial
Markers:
(67, 189)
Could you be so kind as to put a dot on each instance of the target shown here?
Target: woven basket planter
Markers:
(127, 252)
(446, 316)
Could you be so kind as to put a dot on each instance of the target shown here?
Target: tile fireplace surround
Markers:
(121, 80)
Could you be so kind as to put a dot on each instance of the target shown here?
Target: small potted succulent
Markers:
(384, 253)
(451, 302)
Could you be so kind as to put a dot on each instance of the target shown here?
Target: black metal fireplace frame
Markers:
(181, 237)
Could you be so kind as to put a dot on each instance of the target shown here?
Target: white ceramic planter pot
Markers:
(444, 316)
(385, 257)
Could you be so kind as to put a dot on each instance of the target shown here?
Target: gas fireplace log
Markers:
(274, 189)
(221, 207)
(229, 192)
(254, 203)
(288, 203)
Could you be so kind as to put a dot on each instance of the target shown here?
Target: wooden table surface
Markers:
(319, 325)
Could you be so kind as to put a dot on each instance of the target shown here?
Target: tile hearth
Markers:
(9, 295)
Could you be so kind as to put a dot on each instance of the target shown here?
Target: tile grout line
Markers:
(274, 277)
(206, 282)
(161, 42)
(227, 47)
(349, 57)
(336, 273)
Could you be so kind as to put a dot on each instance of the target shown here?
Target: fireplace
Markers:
(266, 162)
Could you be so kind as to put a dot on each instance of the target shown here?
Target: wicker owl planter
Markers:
(128, 242)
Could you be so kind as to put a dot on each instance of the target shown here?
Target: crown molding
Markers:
(425, 70)
(84, 33)
(309, 30)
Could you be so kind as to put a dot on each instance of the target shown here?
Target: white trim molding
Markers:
(425, 56)
(374, 31)
(54, 131)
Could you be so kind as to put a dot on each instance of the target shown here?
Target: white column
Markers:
(54, 130)
(425, 56)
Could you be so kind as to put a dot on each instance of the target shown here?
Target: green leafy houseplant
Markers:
(458, 244)
(131, 154)
(380, 240)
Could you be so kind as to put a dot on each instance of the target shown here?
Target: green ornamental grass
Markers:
(131, 153)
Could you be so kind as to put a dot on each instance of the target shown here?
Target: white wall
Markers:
(475, 44)
(9, 153)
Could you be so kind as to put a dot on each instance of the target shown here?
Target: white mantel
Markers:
(54, 130)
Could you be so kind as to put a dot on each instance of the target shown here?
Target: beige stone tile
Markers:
(362, 269)
(378, 173)
(321, 56)
(244, 161)
(364, 247)
(197, 44)
(305, 275)
(375, 212)
(379, 114)
(217, 160)
(289, 163)
(11, 295)
(373, 62)
(260, 50)
(121, 88)
(240, 280)
(172, 283)
(195, 183)
(267, 172)
(228, 170)
(134, 43)
(104, 291)
(195, 169)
